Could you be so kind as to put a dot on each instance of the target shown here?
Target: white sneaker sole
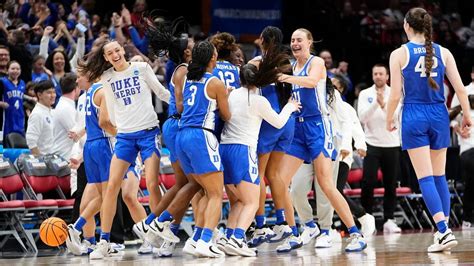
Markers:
(440, 248)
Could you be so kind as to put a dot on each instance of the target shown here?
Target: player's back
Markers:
(93, 130)
(227, 73)
(172, 104)
(415, 81)
(198, 106)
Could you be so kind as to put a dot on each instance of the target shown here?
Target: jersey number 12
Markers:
(420, 67)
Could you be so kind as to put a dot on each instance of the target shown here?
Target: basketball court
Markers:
(407, 248)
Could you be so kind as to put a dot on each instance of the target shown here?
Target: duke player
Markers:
(127, 89)
(97, 154)
(12, 91)
(313, 134)
(196, 144)
(178, 46)
(419, 67)
(239, 144)
(225, 70)
(272, 145)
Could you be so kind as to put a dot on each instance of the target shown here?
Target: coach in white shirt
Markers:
(383, 147)
(39, 134)
(64, 116)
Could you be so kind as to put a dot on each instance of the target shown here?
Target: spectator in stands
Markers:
(39, 134)
(39, 72)
(327, 57)
(137, 16)
(64, 116)
(19, 52)
(383, 147)
(4, 59)
(30, 103)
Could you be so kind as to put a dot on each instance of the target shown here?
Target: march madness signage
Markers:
(244, 18)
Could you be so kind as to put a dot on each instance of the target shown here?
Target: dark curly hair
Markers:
(225, 45)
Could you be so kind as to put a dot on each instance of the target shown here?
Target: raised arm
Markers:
(396, 58)
(262, 107)
(155, 85)
(317, 71)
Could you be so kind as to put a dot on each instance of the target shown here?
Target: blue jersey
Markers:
(39, 77)
(228, 73)
(93, 130)
(415, 81)
(270, 93)
(172, 102)
(14, 116)
(313, 100)
(199, 108)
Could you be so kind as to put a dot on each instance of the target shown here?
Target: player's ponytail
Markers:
(168, 39)
(427, 31)
(94, 63)
(202, 54)
(420, 21)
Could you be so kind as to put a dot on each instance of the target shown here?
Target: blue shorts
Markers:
(198, 151)
(313, 135)
(240, 163)
(97, 157)
(133, 168)
(170, 130)
(425, 125)
(147, 142)
(273, 139)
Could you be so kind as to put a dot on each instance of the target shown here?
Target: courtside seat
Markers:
(42, 184)
(47, 203)
(11, 184)
(11, 205)
(65, 203)
(167, 181)
(64, 183)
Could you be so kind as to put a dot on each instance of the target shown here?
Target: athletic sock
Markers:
(310, 224)
(150, 218)
(105, 236)
(260, 221)
(432, 199)
(197, 233)
(280, 215)
(444, 194)
(91, 240)
(165, 216)
(174, 228)
(442, 226)
(229, 232)
(326, 231)
(81, 221)
(294, 230)
(239, 233)
(206, 235)
(352, 230)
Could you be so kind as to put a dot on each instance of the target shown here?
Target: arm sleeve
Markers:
(109, 99)
(262, 107)
(357, 132)
(80, 49)
(155, 85)
(345, 121)
(44, 46)
(366, 109)
(33, 131)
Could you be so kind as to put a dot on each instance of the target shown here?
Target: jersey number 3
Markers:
(420, 67)
(193, 90)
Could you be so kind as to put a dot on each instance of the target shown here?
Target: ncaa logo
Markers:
(370, 99)
(135, 72)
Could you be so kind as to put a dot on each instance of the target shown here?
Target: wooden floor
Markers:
(407, 248)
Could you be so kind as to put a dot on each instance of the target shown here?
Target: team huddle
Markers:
(238, 127)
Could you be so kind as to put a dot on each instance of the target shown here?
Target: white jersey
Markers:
(128, 97)
(248, 109)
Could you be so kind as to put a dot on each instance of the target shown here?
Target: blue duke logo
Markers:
(125, 88)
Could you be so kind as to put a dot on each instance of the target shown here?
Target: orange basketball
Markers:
(53, 231)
